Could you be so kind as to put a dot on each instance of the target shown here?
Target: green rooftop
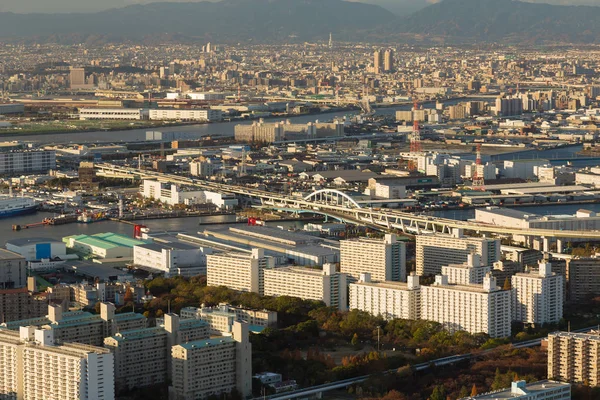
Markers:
(119, 240)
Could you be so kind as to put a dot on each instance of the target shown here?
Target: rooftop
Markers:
(35, 240)
(522, 390)
(207, 342)
(9, 255)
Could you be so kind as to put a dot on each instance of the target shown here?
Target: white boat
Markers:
(11, 206)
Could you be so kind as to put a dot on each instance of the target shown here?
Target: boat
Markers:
(61, 219)
(12, 206)
(88, 218)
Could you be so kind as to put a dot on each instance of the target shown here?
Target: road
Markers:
(440, 362)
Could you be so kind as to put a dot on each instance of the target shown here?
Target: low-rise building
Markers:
(172, 258)
(86, 114)
(521, 390)
(205, 115)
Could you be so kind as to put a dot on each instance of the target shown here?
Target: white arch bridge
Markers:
(341, 205)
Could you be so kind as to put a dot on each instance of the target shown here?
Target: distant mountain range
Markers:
(502, 21)
(225, 21)
(447, 21)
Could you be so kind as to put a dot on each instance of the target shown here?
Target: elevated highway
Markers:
(340, 205)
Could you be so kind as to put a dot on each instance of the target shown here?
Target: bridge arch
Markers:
(332, 197)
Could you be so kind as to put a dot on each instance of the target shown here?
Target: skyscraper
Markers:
(388, 61)
(377, 61)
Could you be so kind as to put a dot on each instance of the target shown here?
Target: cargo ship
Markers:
(12, 206)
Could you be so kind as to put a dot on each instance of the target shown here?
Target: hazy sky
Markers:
(46, 6)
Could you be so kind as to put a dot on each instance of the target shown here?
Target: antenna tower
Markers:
(478, 181)
(415, 140)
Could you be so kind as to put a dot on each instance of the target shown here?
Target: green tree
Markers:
(354, 340)
(464, 392)
(439, 393)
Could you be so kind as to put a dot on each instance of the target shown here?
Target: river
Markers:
(192, 131)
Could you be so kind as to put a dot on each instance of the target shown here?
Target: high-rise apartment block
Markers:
(325, 285)
(384, 259)
(470, 308)
(214, 366)
(469, 273)
(583, 274)
(389, 300)
(238, 271)
(388, 60)
(436, 250)
(538, 298)
(378, 61)
(143, 356)
(34, 366)
(573, 357)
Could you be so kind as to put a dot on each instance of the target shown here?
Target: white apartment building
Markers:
(436, 250)
(538, 298)
(387, 299)
(86, 114)
(384, 259)
(472, 308)
(19, 162)
(212, 366)
(521, 390)
(34, 367)
(205, 115)
(173, 258)
(238, 271)
(469, 273)
(325, 285)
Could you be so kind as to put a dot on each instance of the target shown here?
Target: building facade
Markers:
(573, 357)
(25, 161)
(325, 285)
(436, 250)
(538, 298)
(389, 300)
(472, 308)
(36, 367)
(238, 271)
(384, 259)
(212, 367)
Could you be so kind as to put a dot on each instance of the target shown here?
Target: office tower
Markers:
(384, 259)
(13, 270)
(573, 357)
(388, 60)
(469, 273)
(238, 271)
(77, 78)
(209, 48)
(35, 367)
(583, 274)
(470, 308)
(521, 390)
(377, 61)
(387, 299)
(436, 250)
(538, 298)
(325, 285)
(213, 367)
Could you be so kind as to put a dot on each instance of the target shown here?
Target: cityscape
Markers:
(248, 199)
